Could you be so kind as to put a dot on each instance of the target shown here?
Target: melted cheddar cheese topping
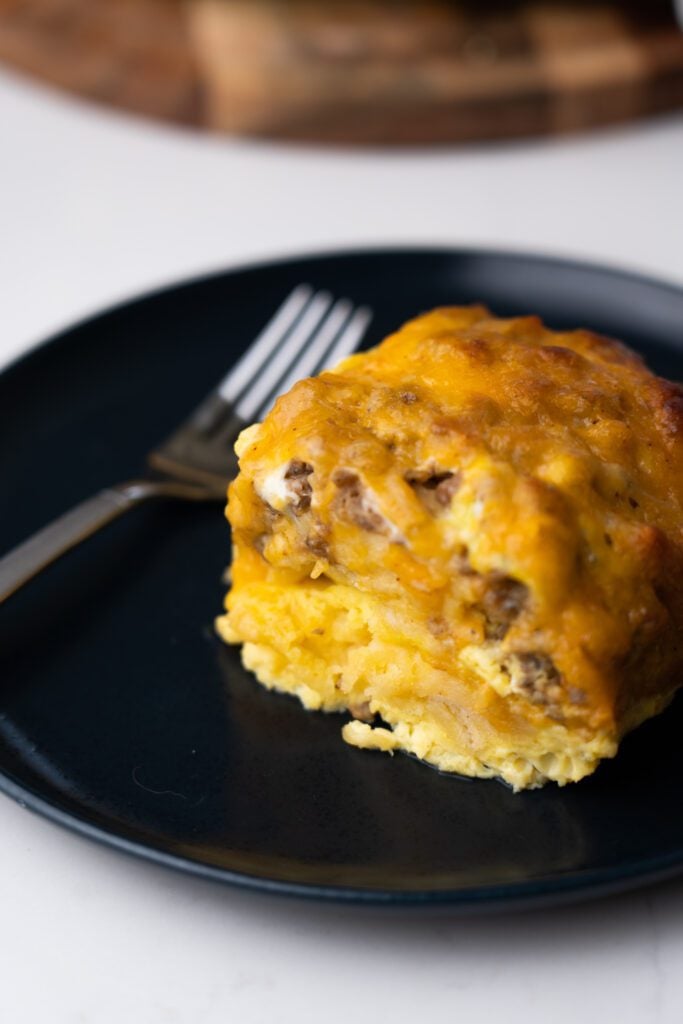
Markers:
(470, 537)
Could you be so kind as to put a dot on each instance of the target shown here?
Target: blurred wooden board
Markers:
(388, 71)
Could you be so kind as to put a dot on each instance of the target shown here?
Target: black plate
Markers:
(123, 718)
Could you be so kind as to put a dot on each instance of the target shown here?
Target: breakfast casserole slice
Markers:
(470, 538)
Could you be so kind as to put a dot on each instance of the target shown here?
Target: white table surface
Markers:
(95, 207)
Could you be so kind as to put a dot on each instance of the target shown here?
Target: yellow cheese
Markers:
(470, 538)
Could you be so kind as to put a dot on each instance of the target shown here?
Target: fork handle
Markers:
(68, 530)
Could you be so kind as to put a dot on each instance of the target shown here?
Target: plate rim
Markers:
(625, 271)
(552, 890)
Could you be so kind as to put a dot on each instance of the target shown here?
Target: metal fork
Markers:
(308, 333)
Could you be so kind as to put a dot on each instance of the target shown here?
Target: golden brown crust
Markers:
(516, 492)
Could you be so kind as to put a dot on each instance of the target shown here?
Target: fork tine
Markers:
(307, 332)
(242, 373)
(311, 356)
(271, 374)
(349, 338)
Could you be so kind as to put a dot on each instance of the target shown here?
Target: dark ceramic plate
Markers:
(123, 718)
